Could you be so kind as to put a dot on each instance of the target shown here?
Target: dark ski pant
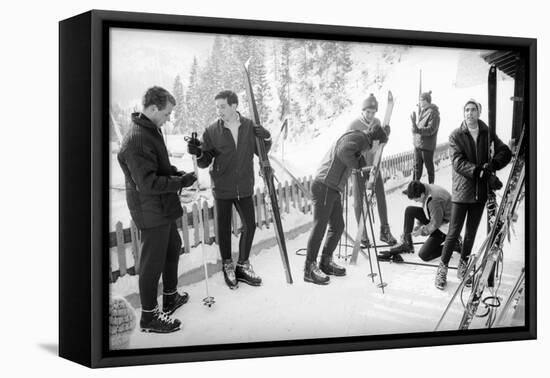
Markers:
(359, 184)
(245, 208)
(327, 210)
(421, 158)
(433, 246)
(459, 211)
(160, 254)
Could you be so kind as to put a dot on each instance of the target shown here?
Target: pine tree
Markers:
(284, 82)
(193, 99)
(179, 116)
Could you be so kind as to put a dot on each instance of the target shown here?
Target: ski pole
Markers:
(382, 284)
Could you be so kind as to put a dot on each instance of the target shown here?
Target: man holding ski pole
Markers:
(346, 154)
(366, 122)
(228, 147)
(473, 177)
(152, 187)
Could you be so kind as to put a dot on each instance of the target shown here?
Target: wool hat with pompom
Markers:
(426, 96)
(370, 103)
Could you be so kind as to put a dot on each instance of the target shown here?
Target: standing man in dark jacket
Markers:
(473, 176)
(228, 147)
(425, 136)
(346, 154)
(367, 122)
(152, 187)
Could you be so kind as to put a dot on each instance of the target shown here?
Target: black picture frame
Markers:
(83, 141)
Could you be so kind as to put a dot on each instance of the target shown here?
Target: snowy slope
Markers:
(349, 306)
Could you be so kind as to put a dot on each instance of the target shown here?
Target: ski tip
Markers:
(247, 63)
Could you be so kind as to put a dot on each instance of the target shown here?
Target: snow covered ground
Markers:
(349, 306)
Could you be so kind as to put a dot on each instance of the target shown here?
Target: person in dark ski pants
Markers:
(432, 220)
(228, 147)
(473, 177)
(346, 154)
(367, 121)
(152, 186)
(425, 136)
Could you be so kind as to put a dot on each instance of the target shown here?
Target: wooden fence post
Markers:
(121, 251)
(185, 231)
(206, 222)
(215, 218)
(196, 234)
(136, 245)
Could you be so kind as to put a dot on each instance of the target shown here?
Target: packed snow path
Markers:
(349, 306)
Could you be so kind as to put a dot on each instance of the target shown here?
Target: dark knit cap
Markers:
(427, 96)
(415, 189)
(370, 103)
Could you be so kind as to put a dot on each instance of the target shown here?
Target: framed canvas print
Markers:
(235, 188)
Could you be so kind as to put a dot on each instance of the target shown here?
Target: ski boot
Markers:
(406, 245)
(172, 301)
(229, 274)
(313, 274)
(246, 274)
(330, 268)
(386, 236)
(157, 321)
(390, 256)
(441, 276)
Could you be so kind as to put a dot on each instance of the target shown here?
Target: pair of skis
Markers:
(267, 174)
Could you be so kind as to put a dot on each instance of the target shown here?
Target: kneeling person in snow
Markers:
(152, 187)
(228, 147)
(432, 220)
(346, 154)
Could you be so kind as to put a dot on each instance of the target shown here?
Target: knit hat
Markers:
(370, 103)
(472, 101)
(426, 96)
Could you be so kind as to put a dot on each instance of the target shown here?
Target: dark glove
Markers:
(188, 179)
(194, 149)
(378, 133)
(481, 171)
(494, 182)
(387, 129)
(261, 132)
(179, 173)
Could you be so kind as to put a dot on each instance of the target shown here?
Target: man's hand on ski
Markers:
(193, 148)
(261, 132)
(378, 133)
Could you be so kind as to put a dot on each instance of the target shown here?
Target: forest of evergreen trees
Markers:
(299, 80)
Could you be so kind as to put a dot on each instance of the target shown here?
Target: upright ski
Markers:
(267, 174)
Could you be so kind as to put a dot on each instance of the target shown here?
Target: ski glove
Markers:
(188, 179)
(494, 182)
(194, 149)
(387, 129)
(261, 132)
(378, 133)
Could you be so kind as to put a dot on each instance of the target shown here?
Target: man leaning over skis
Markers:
(331, 177)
